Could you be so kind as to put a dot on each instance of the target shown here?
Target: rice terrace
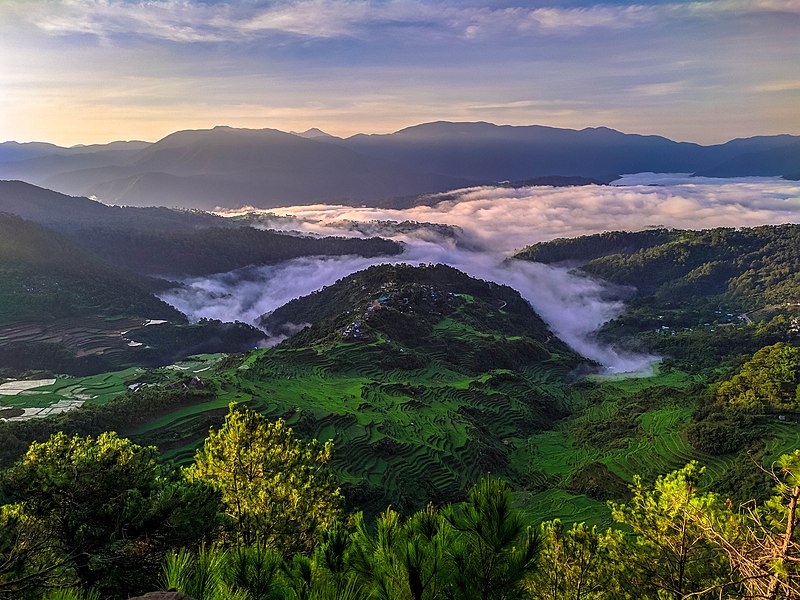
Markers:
(399, 300)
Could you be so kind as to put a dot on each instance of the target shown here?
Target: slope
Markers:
(753, 265)
(68, 213)
(217, 249)
(425, 378)
(784, 160)
(65, 311)
(703, 298)
(163, 241)
(57, 279)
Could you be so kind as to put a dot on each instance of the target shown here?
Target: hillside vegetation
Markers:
(162, 241)
(701, 298)
(424, 377)
(217, 249)
(57, 279)
(752, 265)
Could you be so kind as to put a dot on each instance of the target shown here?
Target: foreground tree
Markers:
(761, 541)
(403, 560)
(495, 550)
(669, 555)
(106, 509)
(575, 564)
(276, 488)
(26, 554)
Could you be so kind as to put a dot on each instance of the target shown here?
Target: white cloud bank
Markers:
(573, 306)
(502, 219)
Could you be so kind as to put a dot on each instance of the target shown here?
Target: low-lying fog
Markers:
(490, 223)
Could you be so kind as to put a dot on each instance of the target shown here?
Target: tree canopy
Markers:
(275, 486)
(771, 378)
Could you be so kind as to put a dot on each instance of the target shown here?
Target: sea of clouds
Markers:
(492, 223)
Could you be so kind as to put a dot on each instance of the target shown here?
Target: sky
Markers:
(93, 71)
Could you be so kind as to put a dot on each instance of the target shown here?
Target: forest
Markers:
(419, 434)
(257, 515)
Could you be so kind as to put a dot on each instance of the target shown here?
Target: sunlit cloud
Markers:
(786, 85)
(666, 88)
(504, 219)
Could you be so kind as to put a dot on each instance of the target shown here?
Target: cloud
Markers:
(666, 88)
(604, 16)
(492, 223)
(573, 306)
(190, 21)
(505, 219)
(784, 85)
(246, 294)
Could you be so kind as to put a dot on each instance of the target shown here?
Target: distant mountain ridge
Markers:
(266, 168)
(162, 241)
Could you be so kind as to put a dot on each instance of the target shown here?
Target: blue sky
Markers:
(81, 71)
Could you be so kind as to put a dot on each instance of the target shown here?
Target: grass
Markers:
(407, 434)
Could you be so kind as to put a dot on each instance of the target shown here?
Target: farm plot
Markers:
(27, 399)
(401, 436)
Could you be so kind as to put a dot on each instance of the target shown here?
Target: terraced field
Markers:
(85, 335)
(41, 398)
(424, 389)
(406, 436)
(401, 435)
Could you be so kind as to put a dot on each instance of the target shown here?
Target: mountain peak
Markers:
(312, 133)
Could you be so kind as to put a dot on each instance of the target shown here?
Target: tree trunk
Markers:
(791, 523)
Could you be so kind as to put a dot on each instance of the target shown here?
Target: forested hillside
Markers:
(216, 249)
(162, 241)
(58, 279)
(752, 265)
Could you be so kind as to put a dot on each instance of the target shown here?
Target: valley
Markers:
(425, 378)
(399, 300)
(421, 357)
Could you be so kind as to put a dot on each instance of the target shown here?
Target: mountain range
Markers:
(230, 167)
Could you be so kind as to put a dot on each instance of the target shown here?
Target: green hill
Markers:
(443, 378)
(163, 241)
(63, 310)
(703, 298)
(752, 265)
(216, 249)
(471, 323)
(45, 276)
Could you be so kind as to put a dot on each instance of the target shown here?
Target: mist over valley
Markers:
(399, 300)
(483, 227)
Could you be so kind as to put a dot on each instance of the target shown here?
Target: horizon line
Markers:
(345, 137)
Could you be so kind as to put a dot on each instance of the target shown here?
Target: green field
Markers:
(99, 389)
(423, 390)
(431, 430)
